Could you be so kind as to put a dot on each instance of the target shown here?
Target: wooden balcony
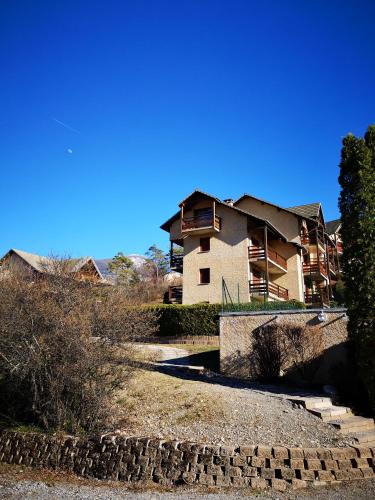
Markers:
(312, 240)
(316, 268)
(201, 224)
(276, 263)
(175, 295)
(332, 266)
(316, 298)
(273, 290)
(177, 262)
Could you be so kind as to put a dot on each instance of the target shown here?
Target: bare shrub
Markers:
(65, 349)
(284, 347)
(269, 352)
(304, 344)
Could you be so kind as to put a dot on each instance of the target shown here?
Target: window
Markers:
(204, 245)
(204, 276)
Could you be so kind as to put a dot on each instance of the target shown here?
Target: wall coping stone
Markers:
(274, 312)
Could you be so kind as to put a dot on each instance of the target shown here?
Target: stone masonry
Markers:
(236, 339)
(116, 457)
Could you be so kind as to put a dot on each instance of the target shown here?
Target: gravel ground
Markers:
(169, 403)
(34, 489)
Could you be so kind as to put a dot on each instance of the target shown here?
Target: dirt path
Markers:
(41, 489)
(168, 355)
(169, 402)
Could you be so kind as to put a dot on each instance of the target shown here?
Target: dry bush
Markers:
(285, 347)
(304, 345)
(64, 349)
(269, 352)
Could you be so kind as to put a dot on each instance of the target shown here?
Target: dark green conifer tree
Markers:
(357, 206)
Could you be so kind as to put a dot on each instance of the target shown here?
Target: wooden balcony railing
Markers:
(261, 288)
(177, 262)
(312, 239)
(201, 221)
(314, 267)
(258, 253)
(175, 294)
(305, 240)
(318, 298)
(332, 264)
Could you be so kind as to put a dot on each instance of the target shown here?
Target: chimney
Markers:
(229, 201)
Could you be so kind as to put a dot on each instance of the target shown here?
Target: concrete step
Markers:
(352, 424)
(310, 403)
(365, 437)
(331, 412)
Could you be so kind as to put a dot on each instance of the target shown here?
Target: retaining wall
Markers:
(116, 457)
(237, 335)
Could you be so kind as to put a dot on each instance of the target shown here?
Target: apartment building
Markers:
(250, 248)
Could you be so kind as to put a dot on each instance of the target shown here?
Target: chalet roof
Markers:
(43, 264)
(37, 262)
(247, 195)
(166, 225)
(310, 210)
(332, 226)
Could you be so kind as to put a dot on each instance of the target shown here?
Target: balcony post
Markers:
(329, 286)
(266, 255)
(182, 218)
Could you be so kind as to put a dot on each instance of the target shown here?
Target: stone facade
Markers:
(116, 457)
(237, 334)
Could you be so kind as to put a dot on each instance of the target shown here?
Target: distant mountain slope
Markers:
(138, 261)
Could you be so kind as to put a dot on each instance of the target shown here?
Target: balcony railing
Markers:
(175, 294)
(332, 265)
(257, 253)
(314, 267)
(312, 239)
(201, 221)
(177, 262)
(260, 287)
(316, 298)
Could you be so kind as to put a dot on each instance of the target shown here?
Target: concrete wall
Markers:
(237, 336)
(120, 458)
(227, 258)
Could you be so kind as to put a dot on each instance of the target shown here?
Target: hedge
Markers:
(201, 319)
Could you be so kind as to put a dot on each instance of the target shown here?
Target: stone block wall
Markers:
(116, 457)
(237, 330)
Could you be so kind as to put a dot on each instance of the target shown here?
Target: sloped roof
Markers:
(44, 264)
(332, 226)
(166, 225)
(310, 210)
(37, 262)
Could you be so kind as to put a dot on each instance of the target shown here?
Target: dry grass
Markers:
(172, 401)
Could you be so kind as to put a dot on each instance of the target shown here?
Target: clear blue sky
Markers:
(111, 112)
